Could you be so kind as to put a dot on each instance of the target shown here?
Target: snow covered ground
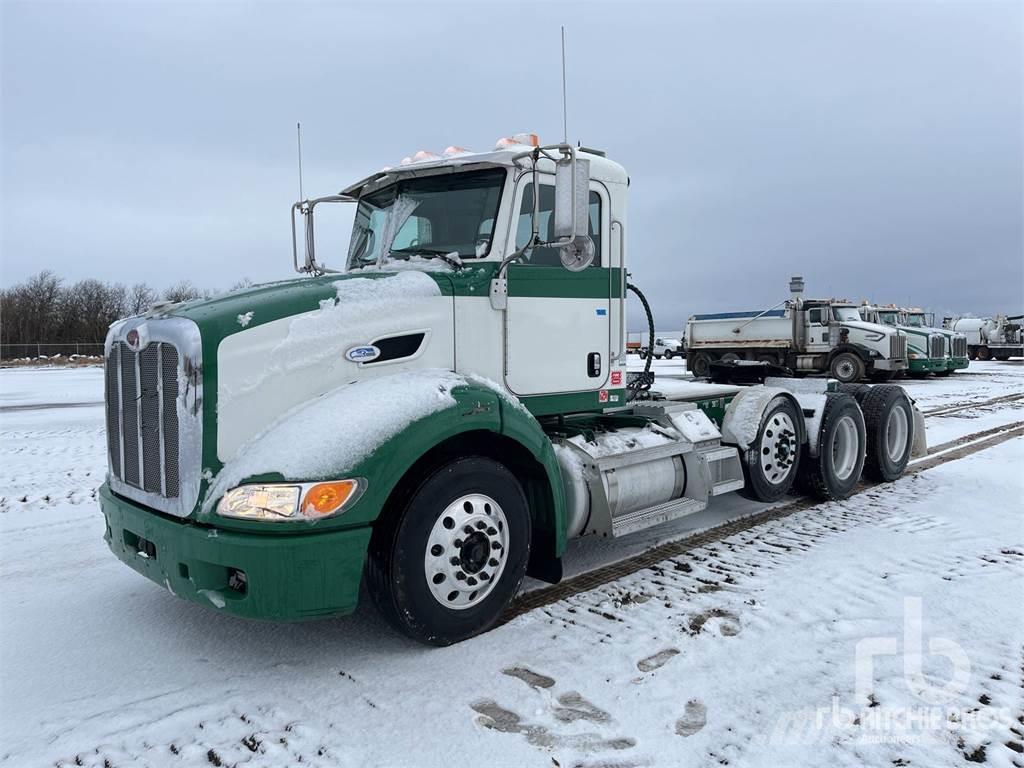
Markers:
(887, 630)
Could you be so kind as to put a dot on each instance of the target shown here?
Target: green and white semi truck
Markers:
(394, 424)
(929, 350)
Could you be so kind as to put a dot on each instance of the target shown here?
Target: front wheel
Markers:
(833, 473)
(846, 367)
(445, 566)
(668, 354)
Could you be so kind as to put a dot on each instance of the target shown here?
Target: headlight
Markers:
(913, 355)
(287, 501)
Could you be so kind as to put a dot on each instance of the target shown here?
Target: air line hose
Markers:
(643, 382)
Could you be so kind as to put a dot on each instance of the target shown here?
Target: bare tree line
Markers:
(45, 309)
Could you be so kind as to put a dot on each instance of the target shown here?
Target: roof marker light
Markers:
(518, 140)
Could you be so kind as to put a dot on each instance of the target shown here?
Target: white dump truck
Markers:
(392, 422)
(991, 338)
(803, 335)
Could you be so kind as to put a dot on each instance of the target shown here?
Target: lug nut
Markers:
(460, 576)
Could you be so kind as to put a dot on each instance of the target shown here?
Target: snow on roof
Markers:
(601, 168)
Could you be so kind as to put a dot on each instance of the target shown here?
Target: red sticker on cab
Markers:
(602, 396)
(616, 378)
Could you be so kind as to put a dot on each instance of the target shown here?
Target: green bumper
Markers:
(926, 365)
(287, 576)
(957, 363)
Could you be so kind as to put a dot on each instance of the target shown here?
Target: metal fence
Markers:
(42, 350)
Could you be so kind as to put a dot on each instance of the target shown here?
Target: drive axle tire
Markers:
(857, 391)
(846, 367)
(984, 353)
(889, 425)
(701, 367)
(771, 462)
(443, 567)
(833, 473)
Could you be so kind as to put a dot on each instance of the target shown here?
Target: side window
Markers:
(548, 257)
(815, 316)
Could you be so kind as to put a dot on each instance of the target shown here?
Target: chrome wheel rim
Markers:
(778, 448)
(844, 448)
(845, 370)
(897, 429)
(466, 551)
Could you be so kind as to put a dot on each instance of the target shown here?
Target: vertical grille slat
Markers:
(129, 418)
(150, 422)
(112, 396)
(141, 390)
(169, 375)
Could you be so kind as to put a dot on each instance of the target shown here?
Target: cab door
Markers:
(557, 322)
(818, 334)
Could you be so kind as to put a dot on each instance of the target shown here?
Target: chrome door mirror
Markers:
(572, 192)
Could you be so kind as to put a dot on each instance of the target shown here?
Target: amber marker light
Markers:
(327, 498)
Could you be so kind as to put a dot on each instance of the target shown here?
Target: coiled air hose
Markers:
(643, 382)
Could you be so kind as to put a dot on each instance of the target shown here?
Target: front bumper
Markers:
(883, 364)
(927, 365)
(957, 363)
(286, 576)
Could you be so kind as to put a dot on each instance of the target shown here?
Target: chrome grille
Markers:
(959, 346)
(142, 417)
(937, 346)
(897, 346)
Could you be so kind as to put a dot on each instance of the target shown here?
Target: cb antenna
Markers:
(298, 135)
(565, 128)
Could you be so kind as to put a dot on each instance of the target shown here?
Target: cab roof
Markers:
(601, 168)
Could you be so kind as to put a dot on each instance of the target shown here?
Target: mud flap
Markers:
(920, 447)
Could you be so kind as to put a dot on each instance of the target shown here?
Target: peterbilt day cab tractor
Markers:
(804, 335)
(998, 338)
(394, 424)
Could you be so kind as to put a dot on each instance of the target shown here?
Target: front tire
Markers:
(446, 564)
(889, 423)
(668, 354)
(833, 473)
(771, 462)
(846, 367)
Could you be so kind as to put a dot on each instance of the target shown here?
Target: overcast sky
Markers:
(875, 148)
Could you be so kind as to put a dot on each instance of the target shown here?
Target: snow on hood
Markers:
(348, 422)
(860, 325)
(361, 308)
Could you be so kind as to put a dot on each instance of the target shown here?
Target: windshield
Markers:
(433, 216)
(888, 318)
(917, 321)
(845, 314)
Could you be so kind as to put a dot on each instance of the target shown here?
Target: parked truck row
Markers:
(392, 422)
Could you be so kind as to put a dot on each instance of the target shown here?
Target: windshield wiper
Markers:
(449, 257)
